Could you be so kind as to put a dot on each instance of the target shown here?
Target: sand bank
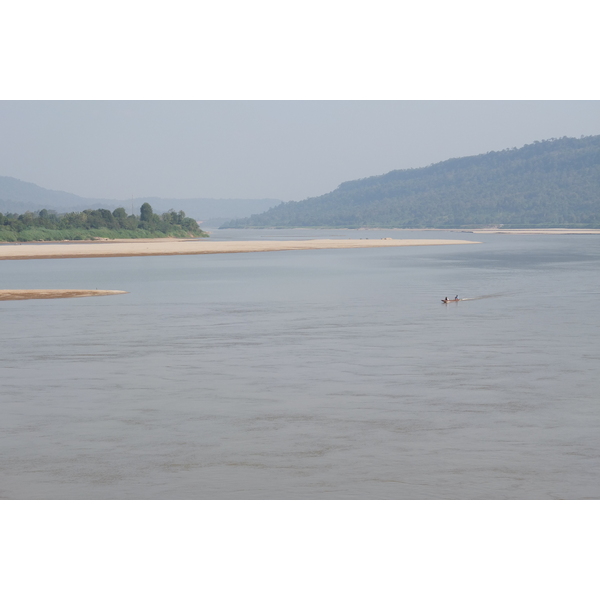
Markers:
(48, 294)
(174, 247)
(539, 231)
(554, 231)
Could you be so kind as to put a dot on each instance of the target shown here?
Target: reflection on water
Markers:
(307, 374)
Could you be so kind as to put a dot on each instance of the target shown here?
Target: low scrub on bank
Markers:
(59, 235)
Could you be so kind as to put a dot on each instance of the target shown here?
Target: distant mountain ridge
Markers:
(553, 183)
(22, 192)
(20, 196)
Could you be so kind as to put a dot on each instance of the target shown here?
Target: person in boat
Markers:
(446, 299)
(456, 298)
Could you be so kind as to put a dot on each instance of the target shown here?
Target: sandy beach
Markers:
(167, 247)
(540, 231)
(49, 294)
(555, 231)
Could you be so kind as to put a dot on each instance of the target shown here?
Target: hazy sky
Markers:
(288, 150)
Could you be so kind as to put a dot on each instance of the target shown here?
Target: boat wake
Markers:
(482, 297)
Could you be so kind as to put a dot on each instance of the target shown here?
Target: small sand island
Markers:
(49, 294)
(168, 247)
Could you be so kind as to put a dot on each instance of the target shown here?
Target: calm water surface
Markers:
(308, 374)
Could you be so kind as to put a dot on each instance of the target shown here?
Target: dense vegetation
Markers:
(90, 224)
(553, 183)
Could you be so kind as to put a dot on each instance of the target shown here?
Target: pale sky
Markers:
(287, 150)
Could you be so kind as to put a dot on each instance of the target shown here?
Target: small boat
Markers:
(446, 301)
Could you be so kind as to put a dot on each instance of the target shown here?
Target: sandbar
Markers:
(49, 294)
(16, 251)
(551, 231)
(540, 231)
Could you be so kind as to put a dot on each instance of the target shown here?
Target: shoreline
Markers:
(50, 294)
(183, 246)
(549, 231)
(556, 231)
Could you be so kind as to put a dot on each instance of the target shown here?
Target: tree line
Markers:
(46, 225)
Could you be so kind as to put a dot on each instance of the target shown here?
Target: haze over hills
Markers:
(211, 211)
(18, 196)
(553, 183)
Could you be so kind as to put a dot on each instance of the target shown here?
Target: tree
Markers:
(146, 212)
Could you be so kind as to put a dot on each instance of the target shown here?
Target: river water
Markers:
(308, 374)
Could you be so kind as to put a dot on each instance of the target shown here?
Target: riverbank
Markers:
(555, 231)
(165, 247)
(539, 231)
(547, 231)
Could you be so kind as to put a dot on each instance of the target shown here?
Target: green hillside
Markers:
(553, 183)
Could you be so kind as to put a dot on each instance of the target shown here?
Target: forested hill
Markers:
(553, 183)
